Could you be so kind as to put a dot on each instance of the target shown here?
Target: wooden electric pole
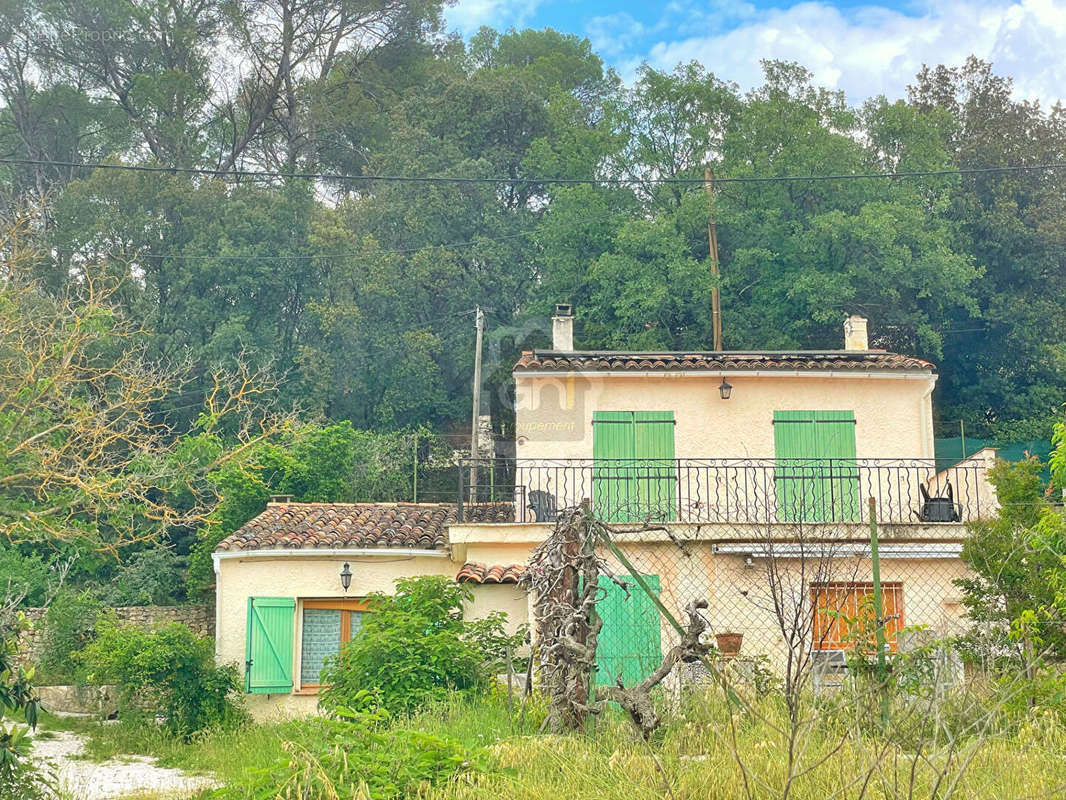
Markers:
(712, 243)
(479, 323)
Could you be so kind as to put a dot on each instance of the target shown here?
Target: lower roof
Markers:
(336, 526)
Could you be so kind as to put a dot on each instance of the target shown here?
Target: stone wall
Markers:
(201, 618)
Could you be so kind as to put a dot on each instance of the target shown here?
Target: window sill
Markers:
(307, 690)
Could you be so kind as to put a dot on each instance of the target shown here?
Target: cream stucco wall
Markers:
(304, 577)
(737, 593)
(893, 411)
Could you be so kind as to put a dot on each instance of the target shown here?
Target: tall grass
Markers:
(702, 752)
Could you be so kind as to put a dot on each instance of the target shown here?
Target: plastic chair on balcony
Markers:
(940, 508)
(542, 504)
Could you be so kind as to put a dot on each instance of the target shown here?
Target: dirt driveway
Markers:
(127, 776)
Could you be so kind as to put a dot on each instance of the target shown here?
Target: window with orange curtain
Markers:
(844, 614)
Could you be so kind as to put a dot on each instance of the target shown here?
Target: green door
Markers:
(634, 473)
(269, 650)
(817, 475)
(629, 643)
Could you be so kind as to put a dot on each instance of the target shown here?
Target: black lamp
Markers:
(346, 577)
(725, 389)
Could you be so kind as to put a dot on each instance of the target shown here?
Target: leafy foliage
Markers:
(24, 574)
(415, 648)
(315, 463)
(18, 780)
(1019, 565)
(170, 671)
(68, 626)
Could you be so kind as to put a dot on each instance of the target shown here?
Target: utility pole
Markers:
(479, 323)
(712, 243)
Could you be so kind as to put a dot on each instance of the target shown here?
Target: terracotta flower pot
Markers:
(729, 643)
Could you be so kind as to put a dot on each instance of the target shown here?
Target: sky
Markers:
(865, 49)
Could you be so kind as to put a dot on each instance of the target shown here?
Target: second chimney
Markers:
(855, 337)
(563, 327)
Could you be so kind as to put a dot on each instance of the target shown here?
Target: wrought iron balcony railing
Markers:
(731, 490)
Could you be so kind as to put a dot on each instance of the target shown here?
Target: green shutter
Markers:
(629, 644)
(657, 481)
(642, 485)
(613, 494)
(840, 478)
(817, 474)
(269, 652)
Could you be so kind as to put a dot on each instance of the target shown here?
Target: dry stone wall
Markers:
(201, 618)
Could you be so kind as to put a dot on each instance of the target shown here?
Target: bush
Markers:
(170, 671)
(416, 648)
(25, 575)
(153, 577)
(19, 779)
(68, 626)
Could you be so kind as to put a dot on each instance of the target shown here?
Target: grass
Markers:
(697, 754)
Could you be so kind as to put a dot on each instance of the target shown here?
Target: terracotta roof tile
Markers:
(342, 525)
(473, 572)
(820, 360)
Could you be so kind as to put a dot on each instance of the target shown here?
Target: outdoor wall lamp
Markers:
(346, 577)
(725, 389)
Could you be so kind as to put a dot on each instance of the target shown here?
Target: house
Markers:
(282, 607)
(711, 468)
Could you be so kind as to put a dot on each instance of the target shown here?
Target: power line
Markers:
(434, 179)
(328, 256)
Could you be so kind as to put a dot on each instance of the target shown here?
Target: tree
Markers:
(1019, 564)
(1000, 366)
(82, 457)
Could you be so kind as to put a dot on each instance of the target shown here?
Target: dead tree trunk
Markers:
(564, 577)
(564, 574)
(636, 700)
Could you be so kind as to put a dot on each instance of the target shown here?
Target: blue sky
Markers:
(864, 48)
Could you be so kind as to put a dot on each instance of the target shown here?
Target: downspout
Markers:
(218, 602)
(926, 410)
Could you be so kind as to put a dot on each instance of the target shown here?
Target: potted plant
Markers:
(729, 643)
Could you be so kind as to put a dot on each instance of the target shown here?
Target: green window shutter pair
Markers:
(634, 473)
(817, 474)
(629, 644)
(269, 650)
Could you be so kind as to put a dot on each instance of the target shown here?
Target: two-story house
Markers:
(709, 466)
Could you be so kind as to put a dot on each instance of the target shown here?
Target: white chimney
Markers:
(855, 337)
(563, 327)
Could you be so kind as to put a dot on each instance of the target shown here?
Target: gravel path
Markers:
(135, 776)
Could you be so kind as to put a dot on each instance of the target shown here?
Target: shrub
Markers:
(24, 575)
(151, 577)
(416, 648)
(68, 626)
(170, 670)
(18, 778)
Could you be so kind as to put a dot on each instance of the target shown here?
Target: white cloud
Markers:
(614, 34)
(467, 16)
(873, 50)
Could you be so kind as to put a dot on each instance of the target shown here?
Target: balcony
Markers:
(746, 491)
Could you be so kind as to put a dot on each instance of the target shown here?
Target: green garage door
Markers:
(634, 473)
(629, 644)
(817, 476)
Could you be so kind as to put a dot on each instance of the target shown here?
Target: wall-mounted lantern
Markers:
(725, 389)
(346, 577)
